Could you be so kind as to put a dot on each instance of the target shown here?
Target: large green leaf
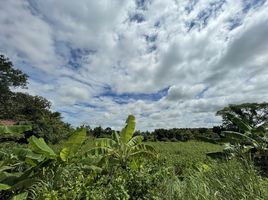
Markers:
(38, 145)
(142, 151)
(34, 158)
(8, 178)
(22, 152)
(22, 196)
(14, 129)
(128, 131)
(99, 151)
(105, 142)
(73, 144)
(143, 147)
(237, 137)
(239, 122)
(4, 187)
(115, 137)
(135, 140)
(142, 154)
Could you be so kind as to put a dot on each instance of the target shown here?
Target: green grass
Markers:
(207, 179)
(230, 180)
(184, 155)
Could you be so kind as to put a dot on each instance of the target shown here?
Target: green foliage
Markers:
(38, 157)
(10, 77)
(254, 114)
(122, 148)
(22, 196)
(14, 129)
(13, 132)
(250, 139)
(181, 171)
(39, 146)
(4, 187)
(179, 134)
(250, 143)
(159, 180)
(72, 145)
(219, 181)
(183, 155)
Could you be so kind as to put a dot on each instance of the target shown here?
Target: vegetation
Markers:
(181, 171)
(250, 143)
(254, 114)
(123, 148)
(13, 132)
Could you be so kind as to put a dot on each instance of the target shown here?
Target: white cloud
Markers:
(84, 55)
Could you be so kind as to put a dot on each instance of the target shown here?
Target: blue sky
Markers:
(170, 63)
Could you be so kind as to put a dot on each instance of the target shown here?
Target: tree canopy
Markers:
(26, 108)
(10, 77)
(255, 114)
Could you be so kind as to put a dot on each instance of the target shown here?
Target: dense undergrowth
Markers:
(183, 171)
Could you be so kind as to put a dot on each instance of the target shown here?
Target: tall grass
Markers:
(232, 180)
(184, 155)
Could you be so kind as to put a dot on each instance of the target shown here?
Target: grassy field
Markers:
(184, 155)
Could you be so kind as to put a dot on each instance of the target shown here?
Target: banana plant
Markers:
(123, 148)
(37, 156)
(252, 141)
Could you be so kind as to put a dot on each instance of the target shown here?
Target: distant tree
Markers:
(88, 129)
(160, 134)
(97, 131)
(217, 129)
(255, 114)
(108, 131)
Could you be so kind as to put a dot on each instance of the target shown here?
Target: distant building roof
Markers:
(7, 122)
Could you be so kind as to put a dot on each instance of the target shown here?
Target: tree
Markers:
(254, 114)
(108, 131)
(97, 131)
(23, 107)
(10, 77)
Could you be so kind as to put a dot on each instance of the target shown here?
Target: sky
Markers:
(171, 63)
